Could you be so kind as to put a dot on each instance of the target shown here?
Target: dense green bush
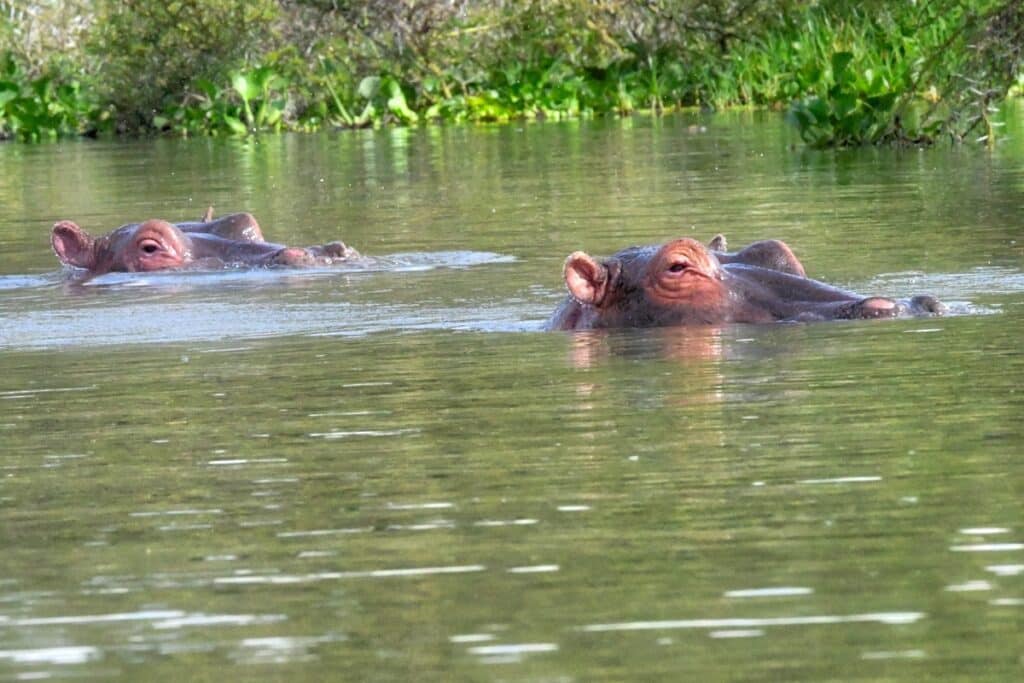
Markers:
(153, 55)
(911, 76)
(849, 72)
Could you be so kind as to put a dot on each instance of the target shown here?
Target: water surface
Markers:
(390, 473)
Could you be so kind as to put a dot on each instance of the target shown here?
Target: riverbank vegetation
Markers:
(848, 72)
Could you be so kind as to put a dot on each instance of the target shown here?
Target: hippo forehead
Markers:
(633, 261)
(117, 239)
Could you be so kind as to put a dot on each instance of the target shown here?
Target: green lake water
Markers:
(388, 472)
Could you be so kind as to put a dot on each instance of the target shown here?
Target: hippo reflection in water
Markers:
(683, 282)
(231, 240)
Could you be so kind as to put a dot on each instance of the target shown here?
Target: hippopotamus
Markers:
(232, 240)
(683, 282)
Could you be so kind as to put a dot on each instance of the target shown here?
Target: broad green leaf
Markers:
(368, 87)
(236, 126)
(819, 109)
(244, 87)
(840, 60)
(206, 87)
(844, 104)
(397, 104)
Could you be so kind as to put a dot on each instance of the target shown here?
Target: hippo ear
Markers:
(586, 279)
(74, 246)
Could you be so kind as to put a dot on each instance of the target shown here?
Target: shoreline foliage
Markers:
(847, 72)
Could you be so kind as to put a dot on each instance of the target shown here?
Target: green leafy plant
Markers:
(856, 108)
(262, 104)
(913, 74)
(43, 108)
(383, 96)
(253, 102)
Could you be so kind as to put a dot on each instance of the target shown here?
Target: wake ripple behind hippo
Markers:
(235, 239)
(683, 282)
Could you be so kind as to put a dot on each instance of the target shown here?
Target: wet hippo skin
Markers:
(232, 240)
(683, 282)
(773, 254)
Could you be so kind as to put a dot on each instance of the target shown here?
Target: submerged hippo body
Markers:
(155, 244)
(684, 283)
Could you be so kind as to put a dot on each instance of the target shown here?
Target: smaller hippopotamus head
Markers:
(151, 245)
(677, 283)
(232, 240)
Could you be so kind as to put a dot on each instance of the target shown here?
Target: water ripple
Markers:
(1006, 569)
(514, 649)
(738, 633)
(779, 591)
(987, 547)
(278, 579)
(841, 480)
(72, 654)
(534, 569)
(280, 649)
(969, 586)
(472, 638)
(890, 618)
(218, 620)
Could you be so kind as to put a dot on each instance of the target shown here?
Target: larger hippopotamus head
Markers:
(683, 282)
(235, 239)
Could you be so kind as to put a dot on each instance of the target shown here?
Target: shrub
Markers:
(851, 71)
(152, 53)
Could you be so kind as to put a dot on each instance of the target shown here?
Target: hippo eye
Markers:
(149, 247)
(678, 267)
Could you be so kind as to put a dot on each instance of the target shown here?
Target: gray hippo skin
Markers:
(683, 282)
(774, 254)
(232, 240)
